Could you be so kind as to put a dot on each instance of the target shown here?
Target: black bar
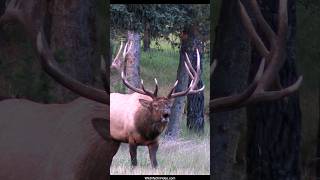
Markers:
(160, 2)
(159, 177)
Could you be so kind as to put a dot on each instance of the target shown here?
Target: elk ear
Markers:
(145, 103)
(102, 126)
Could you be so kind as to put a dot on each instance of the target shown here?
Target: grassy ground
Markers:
(190, 154)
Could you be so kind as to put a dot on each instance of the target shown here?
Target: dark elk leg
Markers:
(153, 148)
(133, 154)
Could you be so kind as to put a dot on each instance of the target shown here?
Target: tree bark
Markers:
(274, 128)
(195, 102)
(132, 61)
(173, 128)
(2, 6)
(318, 146)
(19, 75)
(146, 37)
(232, 50)
(73, 38)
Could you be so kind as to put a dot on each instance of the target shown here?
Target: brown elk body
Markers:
(54, 141)
(134, 119)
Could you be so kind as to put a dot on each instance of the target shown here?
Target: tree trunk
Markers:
(132, 61)
(20, 74)
(274, 128)
(146, 37)
(231, 49)
(318, 147)
(2, 6)
(73, 39)
(173, 128)
(195, 102)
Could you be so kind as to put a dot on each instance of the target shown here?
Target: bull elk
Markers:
(267, 76)
(139, 118)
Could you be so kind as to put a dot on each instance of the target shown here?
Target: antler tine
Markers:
(117, 61)
(188, 70)
(155, 93)
(120, 48)
(283, 20)
(125, 82)
(198, 72)
(149, 93)
(173, 89)
(262, 22)
(189, 65)
(278, 54)
(124, 53)
(231, 102)
(213, 67)
(143, 90)
(127, 49)
(194, 75)
(252, 32)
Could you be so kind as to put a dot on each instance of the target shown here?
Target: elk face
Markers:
(160, 108)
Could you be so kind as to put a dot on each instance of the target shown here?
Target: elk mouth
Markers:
(165, 118)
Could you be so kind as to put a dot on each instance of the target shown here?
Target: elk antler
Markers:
(143, 91)
(15, 11)
(117, 61)
(274, 57)
(193, 74)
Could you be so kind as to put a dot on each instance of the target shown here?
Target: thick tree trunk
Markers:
(132, 61)
(73, 38)
(231, 49)
(20, 72)
(173, 128)
(274, 128)
(146, 37)
(2, 6)
(195, 102)
(318, 147)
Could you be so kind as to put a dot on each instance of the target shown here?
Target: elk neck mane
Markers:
(146, 125)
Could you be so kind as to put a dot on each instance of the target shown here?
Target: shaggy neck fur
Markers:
(147, 127)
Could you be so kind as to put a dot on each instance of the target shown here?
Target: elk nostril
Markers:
(166, 115)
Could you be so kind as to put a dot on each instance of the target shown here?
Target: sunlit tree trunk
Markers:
(146, 37)
(132, 64)
(173, 128)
